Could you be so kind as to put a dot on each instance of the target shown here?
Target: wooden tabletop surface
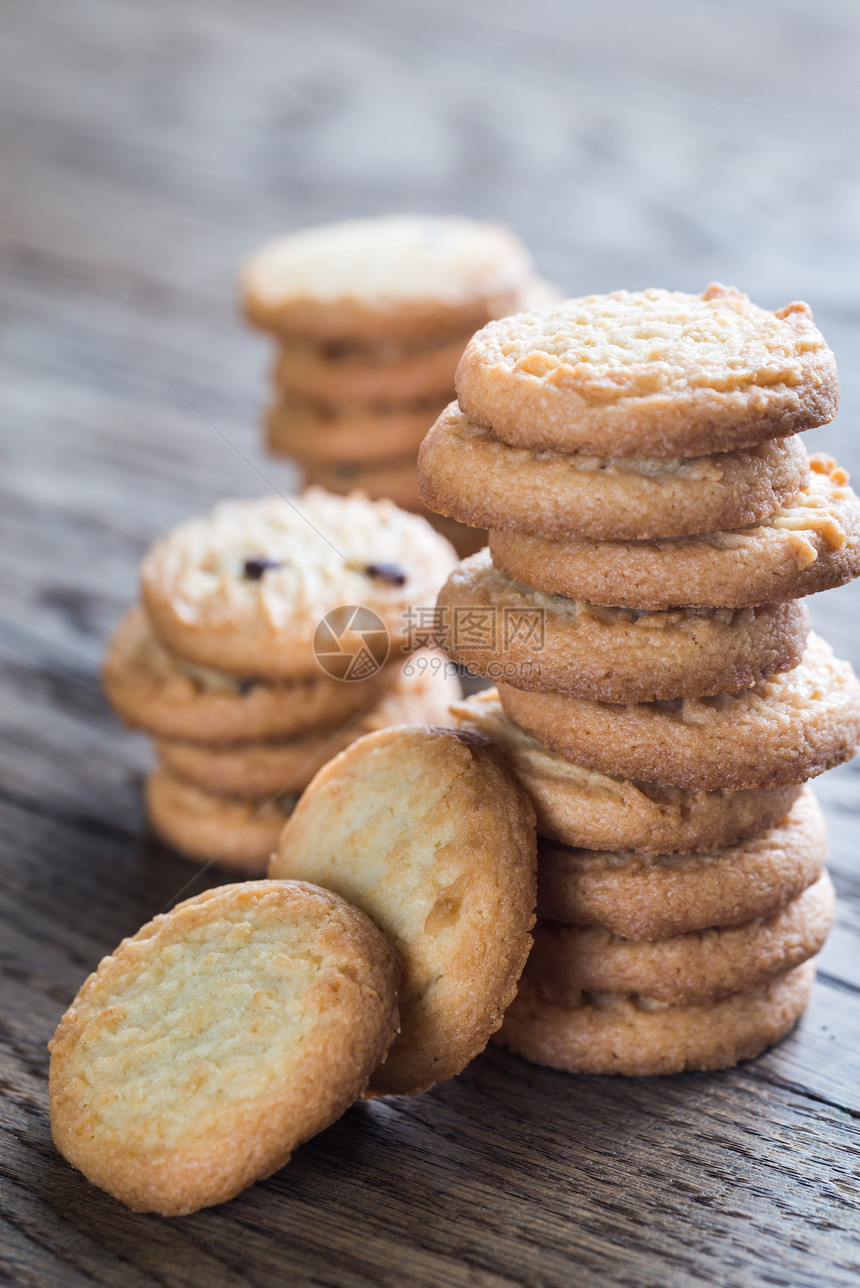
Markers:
(146, 145)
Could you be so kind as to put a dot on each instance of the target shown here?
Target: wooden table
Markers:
(146, 146)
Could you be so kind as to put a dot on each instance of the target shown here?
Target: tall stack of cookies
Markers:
(272, 634)
(654, 526)
(370, 318)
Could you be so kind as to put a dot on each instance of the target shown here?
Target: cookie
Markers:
(244, 589)
(631, 1036)
(367, 374)
(325, 435)
(784, 730)
(654, 896)
(649, 373)
(401, 278)
(160, 692)
(253, 770)
(589, 810)
(503, 629)
(395, 480)
(427, 833)
(469, 474)
(216, 1040)
(230, 833)
(812, 543)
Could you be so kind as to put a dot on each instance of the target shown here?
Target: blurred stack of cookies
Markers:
(272, 634)
(654, 526)
(371, 317)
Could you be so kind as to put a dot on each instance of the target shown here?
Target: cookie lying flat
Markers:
(653, 896)
(584, 808)
(396, 480)
(238, 835)
(156, 690)
(627, 1036)
(785, 729)
(363, 374)
(427, 832)
(325, 435)
(469, 474)
(649, 373)
(216, 1040)
(244, 589)
(812, 543)
(501, 628)
(398, 278)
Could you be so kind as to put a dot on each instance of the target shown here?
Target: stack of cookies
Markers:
(371, 317)
(654, 527)
(272, 634)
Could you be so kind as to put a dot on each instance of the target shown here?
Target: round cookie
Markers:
(785, 729)
(244, 589)
(649, 373)
(367, 375)
(469, 474)
(654, 896)
(812, 543)
(395, 481)
(325, 435)
(238, 835)
(401, 278)
(630, 1036)
(590, 810)
(216, 1040)
(504, 629)
(159, 691)
(427, 832)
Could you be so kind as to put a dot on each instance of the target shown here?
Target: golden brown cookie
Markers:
(784, 730)
(585, 808)
(363, 375)
(469, 474)
(216, 1040)
(649, 373)
(395, 480)
(652, 896)
(503, 629)
(326, 435)
(812, 543)
(427, 832)
(631, 1036)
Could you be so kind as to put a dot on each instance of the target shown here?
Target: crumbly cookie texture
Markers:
(591, 810)
(785, 729)
(397, 277)
(325, 435)
(428, 833)
(653, 896)
(810, 543)
(504, 629)
(649, 373)
(244, 589)
(362, 376)
(228, 832)
(470, 475)
(396, 480)
(208, 1046)
(621, 1035)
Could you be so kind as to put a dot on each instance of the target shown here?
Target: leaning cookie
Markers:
(590, 810)
(649, 373)
(216, 1040)
(783, 730)
(428, 833)
(621, 1035)
(470, 475)
(501, 628)
(811, 543)
(323, 435)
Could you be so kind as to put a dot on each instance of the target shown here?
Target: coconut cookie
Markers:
(244, 589)
(216, 1040)
(367, 374)
(427, 832)
(783, 730)
(502, 628)
(395, 481)
(654, 896)
(811, 543)
(401, 278)
(469, 474)
(322, 434)
(623, 1035)
(649, 373)
(582, 807)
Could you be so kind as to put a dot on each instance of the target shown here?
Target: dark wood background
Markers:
(146, 145)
